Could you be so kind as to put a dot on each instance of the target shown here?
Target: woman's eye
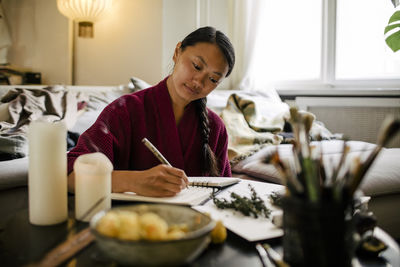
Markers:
(213, 80)
(197, 67)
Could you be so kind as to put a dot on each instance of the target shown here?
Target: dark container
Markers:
(317, 234)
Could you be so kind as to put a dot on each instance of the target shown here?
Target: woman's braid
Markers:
(210, 165)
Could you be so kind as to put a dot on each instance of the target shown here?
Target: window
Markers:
(288, 47)
(361, 51)
(326, 43)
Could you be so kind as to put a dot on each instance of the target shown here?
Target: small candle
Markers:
(47, 175)
(92, 182)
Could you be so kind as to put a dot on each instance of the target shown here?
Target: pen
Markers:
(158, 154)
(155, 151)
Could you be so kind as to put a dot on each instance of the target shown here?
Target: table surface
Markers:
(22, 243)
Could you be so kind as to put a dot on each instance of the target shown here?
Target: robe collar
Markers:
(170, 140)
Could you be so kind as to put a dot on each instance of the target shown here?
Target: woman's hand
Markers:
(159, 181)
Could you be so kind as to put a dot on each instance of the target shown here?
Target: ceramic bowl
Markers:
(151, 253)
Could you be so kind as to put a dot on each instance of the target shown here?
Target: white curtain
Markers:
(245, 19)
(5, 39)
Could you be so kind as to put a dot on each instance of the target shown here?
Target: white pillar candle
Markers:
(47, 175)
(92, 183)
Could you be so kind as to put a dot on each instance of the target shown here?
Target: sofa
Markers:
(262, 112)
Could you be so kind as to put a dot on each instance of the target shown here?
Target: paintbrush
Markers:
(274, 256)
(307, 163)
(302, 123)
(311, 179)
(290, 181)
(294, 186)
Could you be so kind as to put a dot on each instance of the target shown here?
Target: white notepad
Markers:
(213, 181)
(198, 192)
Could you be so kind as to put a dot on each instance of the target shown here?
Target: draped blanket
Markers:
(20, 106)
(253, 121)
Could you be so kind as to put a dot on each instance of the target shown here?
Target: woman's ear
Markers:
(177, 51)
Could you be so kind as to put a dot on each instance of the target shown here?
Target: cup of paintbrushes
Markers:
(317, 212)
(317, 233)
(318, 209)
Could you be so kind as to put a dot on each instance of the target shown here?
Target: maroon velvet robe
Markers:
(120, 128)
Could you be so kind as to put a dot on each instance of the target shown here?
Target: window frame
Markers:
(327, 78)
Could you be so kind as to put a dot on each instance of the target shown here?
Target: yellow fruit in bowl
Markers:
(169, 234)
(153, 227)
(109, 224)
(129, 225)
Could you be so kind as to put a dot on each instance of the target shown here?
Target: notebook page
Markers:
(190, 196)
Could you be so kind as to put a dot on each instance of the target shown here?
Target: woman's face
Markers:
(198, 70)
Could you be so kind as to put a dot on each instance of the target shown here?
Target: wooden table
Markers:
(22, 243)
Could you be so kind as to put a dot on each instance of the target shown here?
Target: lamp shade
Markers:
(85, 12)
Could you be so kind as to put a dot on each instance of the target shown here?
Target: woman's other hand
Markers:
(159, 181)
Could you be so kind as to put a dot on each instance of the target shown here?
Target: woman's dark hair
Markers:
(209, 35)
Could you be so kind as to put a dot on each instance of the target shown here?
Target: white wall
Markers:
(127, 42)
(180, 17)
(137, 38)
(39, 36)
(177, 22)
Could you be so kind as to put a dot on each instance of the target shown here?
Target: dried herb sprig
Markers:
(253, 206)
(276, 198)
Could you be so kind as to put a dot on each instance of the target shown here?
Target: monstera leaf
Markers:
(392, 30)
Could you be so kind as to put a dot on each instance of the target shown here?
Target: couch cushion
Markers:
(382, 178)
(14, 173)
(384, 175)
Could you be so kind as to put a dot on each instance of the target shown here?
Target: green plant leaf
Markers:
(393, 41)
(395, 17)
(391, 27)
